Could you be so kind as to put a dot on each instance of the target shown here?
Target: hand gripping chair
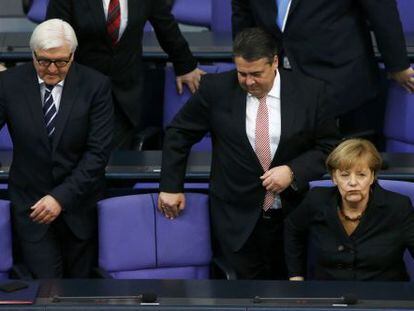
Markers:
(402, 187)
(6, 260)
(138, 242)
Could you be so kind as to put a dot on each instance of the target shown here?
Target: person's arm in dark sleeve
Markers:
(170, 38)
(296, 236)
(408, 227)
(188, 127)
(241, 17)
(61, 9)
(91, 166)
(385, 22)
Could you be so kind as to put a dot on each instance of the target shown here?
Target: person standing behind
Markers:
(269, 137)
(110, 40)
(330, 40)
(60, 119)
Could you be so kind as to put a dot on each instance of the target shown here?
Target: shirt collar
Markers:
(41, 82)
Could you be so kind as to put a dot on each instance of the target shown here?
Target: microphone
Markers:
(141, 298)
(348, 299)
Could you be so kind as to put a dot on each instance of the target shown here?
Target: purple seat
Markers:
(173, 101)
(6, 143)
(137, 242)
(402, 187)
(6, 260)
(406, 9)
(221, 16)
(36, 10)
(192, 12)
(398, 123)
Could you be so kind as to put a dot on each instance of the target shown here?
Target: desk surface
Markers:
(223, 295)
(205, 45)
(136, 166)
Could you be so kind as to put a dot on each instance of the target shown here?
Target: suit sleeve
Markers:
(60, 9)
(241, 17)
(310, 165)
(170, 37)
(408, 227)
(91, 167)
(296, 233)
(386, 25)
(188, 127)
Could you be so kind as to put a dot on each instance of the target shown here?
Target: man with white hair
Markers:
(59, 114)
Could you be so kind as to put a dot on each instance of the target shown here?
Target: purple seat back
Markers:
(136, 241)
(173, 102)
(402, 187)
(221, 15)
(192, 12)
(37, 11)
(5, 140)
(6, 259)
(406, 9)
(399, 116)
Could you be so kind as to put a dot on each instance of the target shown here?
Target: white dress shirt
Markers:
(124, 14)
(56, 92)
(273, 108)
(286, 15)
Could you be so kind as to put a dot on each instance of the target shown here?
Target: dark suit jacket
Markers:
(330, 40)
(72, 168)
(374, 251)
(123, 63)
(236, 191)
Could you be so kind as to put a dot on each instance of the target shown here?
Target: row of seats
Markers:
(137, 242)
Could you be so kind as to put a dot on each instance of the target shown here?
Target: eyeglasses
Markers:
(60, 63)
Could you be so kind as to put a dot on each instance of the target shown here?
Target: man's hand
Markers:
(46, 210)
(192, 79)
(171, 204)
(277, 178)
(405, 78)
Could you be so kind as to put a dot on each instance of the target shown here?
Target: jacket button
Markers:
(341, 248)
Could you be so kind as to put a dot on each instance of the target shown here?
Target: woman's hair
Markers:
(353, 152)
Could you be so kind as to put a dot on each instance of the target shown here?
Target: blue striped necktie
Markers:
(49, 110)
(282, 7)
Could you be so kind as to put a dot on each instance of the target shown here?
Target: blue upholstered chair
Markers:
(192, 12)
(138, 242)
(398, 123)
(5, 140)
(6, 260)
(403, 187)
(406, 9)
(35, 10)
(221, 16)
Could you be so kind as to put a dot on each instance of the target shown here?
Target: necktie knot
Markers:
(49, 87)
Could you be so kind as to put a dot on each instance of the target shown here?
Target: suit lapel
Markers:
(239, 108)
(66, 103)
(96, 8)
(293, 6)
(289, 106)
(133, 9)
(34, 100)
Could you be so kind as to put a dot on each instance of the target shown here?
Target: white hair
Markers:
(53, 33)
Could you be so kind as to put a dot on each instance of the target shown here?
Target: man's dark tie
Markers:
(49, 110)
(113, 21)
